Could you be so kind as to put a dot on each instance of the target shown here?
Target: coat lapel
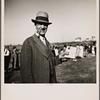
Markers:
(40, 45)
(48, 48)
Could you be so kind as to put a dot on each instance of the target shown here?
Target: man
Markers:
(37, 59)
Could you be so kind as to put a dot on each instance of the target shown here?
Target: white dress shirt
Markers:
(41, 38)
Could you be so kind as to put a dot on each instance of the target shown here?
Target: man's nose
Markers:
(42, 26)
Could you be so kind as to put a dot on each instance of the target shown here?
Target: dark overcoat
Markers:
(37, 62)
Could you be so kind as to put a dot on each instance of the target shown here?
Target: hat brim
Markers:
(40, 21)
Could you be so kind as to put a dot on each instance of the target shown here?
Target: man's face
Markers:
(41, 28)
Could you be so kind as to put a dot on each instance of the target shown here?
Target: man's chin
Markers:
(42, 33)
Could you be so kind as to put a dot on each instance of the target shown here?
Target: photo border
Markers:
(25, 87)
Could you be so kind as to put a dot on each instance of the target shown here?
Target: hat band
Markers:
(42, 18)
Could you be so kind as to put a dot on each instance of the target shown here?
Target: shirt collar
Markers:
(37, 34)
(41, 38)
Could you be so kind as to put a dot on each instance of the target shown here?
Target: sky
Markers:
(70, 19)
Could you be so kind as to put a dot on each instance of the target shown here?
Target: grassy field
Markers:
(81, 71)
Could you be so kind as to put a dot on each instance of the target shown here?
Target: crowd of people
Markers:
(80, 50)
(11, 59)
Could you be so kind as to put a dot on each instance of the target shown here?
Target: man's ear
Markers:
(35, 24)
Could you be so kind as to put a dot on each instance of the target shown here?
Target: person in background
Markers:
(57, 55)
(17, 59)
(53, 50)
(14, 58)
(6, 58)
(64, 48)
(85, 49)
(61, 55)
(78, 51)
(90, 48)
(95, 50)
(56, 51)
(81, 51)
(37, 59)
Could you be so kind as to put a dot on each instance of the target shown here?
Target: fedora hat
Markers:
(42, 17)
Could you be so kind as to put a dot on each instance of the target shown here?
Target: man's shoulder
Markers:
(27, 40)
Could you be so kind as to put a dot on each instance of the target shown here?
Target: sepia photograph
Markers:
(50, 42)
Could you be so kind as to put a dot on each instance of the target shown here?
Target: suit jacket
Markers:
(37, 62)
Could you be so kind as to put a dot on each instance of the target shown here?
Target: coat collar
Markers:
(40, 45)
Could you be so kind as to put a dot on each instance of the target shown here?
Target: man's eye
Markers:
(45, 25)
